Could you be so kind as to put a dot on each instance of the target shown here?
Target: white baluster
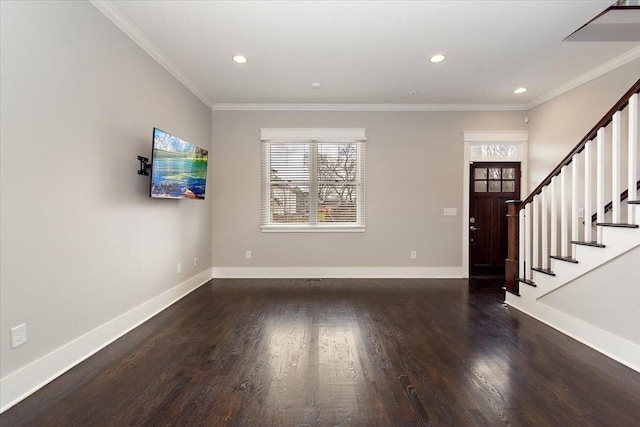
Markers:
(528, 239)
(574, 197)
(535, 226)
(588, 192)
(564, 214)
(615, 169)
(544, 227)
(522, 243)
(554, 216)
(600, 141)
(633, 154)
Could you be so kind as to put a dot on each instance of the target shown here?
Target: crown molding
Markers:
(611, 65)
(110, 11)
(369, 107)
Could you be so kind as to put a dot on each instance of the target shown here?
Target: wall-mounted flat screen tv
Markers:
(178, 168)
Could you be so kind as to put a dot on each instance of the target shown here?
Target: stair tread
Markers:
(593, 244)
(512, 292)
(565, 258)
(544, 271)
(633, 202)
(527, 282)
(616, 224)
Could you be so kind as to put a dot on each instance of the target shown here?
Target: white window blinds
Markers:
(313, 179)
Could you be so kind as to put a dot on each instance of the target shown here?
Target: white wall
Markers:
(607, 297)
(596, 300)
(557, 126)
(81, 241)
(413, 171)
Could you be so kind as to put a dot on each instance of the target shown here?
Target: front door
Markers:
(492, 184)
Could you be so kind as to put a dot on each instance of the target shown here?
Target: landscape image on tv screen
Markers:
(178, 168)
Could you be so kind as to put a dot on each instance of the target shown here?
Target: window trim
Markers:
(521, 138)
(312, 134)
(314, 137)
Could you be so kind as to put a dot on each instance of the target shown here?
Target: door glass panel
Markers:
(508, 186)
(508, 173)
(494, 186)
(480, 186)
(494, 173)
(481, 173)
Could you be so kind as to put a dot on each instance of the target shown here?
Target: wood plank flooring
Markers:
(340, 352)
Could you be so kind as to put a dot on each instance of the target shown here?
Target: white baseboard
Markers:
(21, 383)
(613, 346)
(337, 272)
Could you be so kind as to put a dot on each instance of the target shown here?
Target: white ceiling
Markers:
(372, 52)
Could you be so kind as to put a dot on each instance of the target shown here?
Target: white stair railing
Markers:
(549, 218)
(633, 154)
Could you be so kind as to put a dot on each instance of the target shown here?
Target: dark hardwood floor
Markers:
(339, 352)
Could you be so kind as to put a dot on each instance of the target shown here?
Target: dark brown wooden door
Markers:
(492, 184)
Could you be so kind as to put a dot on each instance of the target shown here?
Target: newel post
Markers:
(511, 263)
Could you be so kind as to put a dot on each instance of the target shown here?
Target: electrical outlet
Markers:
(414, 255)
(247, 254)
(179, 268)
(580, 212)
(18, 335)
(195, 260)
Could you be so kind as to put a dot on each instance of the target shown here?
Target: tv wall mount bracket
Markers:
(144, 166)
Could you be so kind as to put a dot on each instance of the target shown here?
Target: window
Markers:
(497, 150)
(494, 180)
(312, 180)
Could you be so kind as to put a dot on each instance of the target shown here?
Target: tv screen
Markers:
(178, 168)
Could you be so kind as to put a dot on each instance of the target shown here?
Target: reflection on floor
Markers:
(386, 352)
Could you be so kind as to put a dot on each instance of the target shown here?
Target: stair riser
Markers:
(617, 241)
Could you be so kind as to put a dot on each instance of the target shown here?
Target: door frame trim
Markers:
(521, 138)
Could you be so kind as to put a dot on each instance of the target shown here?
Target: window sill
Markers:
(305, 228)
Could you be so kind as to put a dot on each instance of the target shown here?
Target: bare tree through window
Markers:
(337, 179)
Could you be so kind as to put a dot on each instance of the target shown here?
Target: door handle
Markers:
(473, 228)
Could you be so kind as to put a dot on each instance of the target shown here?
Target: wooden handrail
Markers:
(606, 119)
(609, 206)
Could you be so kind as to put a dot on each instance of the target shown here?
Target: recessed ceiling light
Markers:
(315, 85)
(240, 59)
(437, 58)
(520, 90)
(413, 92)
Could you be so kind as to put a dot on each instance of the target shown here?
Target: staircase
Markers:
(578, 275)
